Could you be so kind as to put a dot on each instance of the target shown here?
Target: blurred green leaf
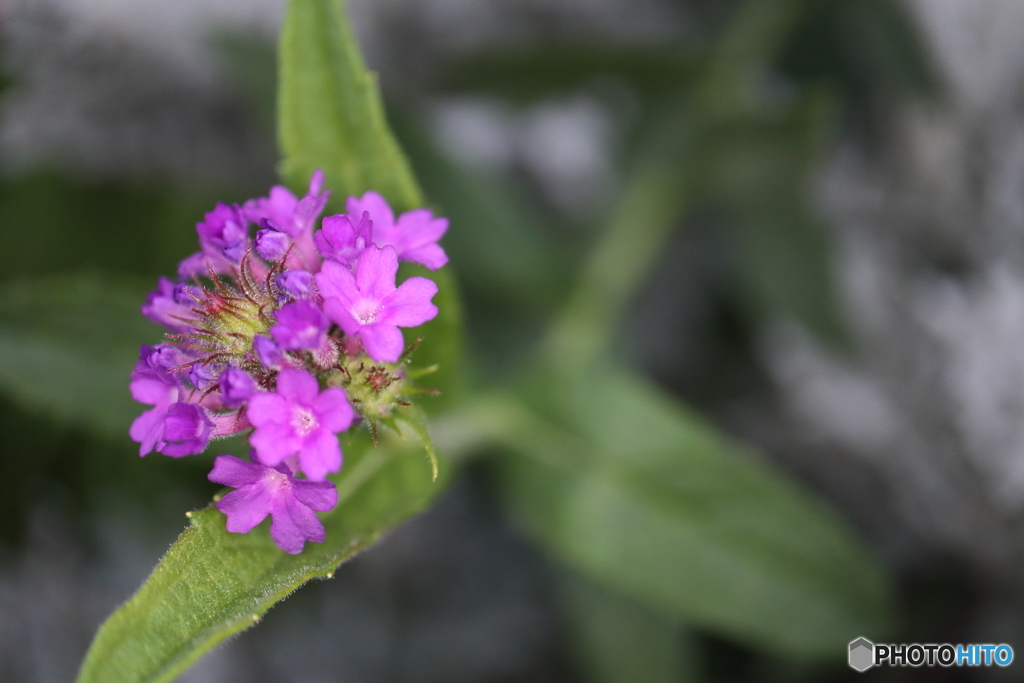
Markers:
(760, 176)
(869, 53)
(656, 196)
(550, 70)
(68, 345)
(627, 486)
(617, 639)
(213, 584)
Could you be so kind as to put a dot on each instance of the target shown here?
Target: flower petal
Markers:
(335, 281)
(297, 386)
(409, 305)
(233, 472)
(339, 313)
(376, 271)
(265, 407)
(318, 495)
(382, 342)
(430, 256)
(246, 507)
(333, 411)
(320, 454)
(374, 204)
(419, 227)
(291, 525)
(156, 387)
(147, 429)
(274, 442)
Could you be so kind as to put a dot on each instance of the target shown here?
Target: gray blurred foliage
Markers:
(870, 344)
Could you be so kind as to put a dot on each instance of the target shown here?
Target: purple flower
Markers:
(222, 233)
(236, 387)
(271, 243)
(164, 308)
(263, 490)
(223, 238)
(155, 387)
(196, 264)
(187, 430)
(268, 352)
(162, 356)
(342, 240)
(204, 375)
(414, 235)
(292, 215)
(296, 283)
(368, 304)
(300, 325)
(187, 295)
(299, 418)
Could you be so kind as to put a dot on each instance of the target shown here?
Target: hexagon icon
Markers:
(862, 654)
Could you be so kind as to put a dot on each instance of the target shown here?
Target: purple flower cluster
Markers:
(289, 335)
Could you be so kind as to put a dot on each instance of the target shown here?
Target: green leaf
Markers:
(616, 639)
(68, 345)
(627, 486)
(213, 584)
(330, 114)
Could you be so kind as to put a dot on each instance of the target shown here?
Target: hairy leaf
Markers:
(213, 584)
(330, 114)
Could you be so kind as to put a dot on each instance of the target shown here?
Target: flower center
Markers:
(304, 421)
(367, 311)
(276, 479)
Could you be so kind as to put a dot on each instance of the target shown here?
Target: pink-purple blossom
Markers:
(223, 234)
(162, 356)
(300, 419)
(300, 325)
(187, 430)
(294, 217)
(286, 337)
(166, 307)
(297, 284)
(271, 243)
(414, 235)
(367, 303)
(262, 490)
(158, 388)
(268, 352)
(342, 239)
(236, 387)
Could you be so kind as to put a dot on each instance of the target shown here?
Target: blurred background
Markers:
(845, 292)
